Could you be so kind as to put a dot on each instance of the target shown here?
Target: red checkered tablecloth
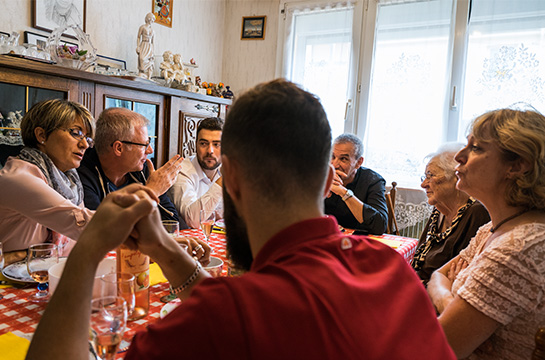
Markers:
(21, 316)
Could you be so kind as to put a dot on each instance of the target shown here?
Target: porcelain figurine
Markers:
(167, 67)
(144, 47)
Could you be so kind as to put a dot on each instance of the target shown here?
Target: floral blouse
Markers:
(506, 282)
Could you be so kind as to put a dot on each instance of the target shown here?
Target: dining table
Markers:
(19, 317)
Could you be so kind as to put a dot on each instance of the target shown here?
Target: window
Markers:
(319, 49)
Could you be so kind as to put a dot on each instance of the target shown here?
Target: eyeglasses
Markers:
(79, 135)
(135, 143)
(427, 176)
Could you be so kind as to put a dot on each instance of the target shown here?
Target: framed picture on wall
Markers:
(162, 9)
(253, 27)
(47, 15)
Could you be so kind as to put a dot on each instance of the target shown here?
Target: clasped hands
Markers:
(337, 185)
(130, 216)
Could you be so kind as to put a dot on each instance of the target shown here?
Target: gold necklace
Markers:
(495, 228)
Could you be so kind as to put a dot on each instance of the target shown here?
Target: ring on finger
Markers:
(199, 247)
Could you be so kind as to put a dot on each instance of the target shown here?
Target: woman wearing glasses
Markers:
(42, 196)
(454, 220)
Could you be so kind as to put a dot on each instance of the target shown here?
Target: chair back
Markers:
(392, 227)
(539, 352)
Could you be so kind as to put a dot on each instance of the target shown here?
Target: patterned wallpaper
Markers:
(206, 30)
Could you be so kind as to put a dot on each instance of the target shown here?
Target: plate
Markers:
(220, 223)
(18, 272)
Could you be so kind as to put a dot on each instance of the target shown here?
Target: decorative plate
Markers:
(17, 272)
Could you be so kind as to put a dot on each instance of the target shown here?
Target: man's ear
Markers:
(359, 162)
(329, 180)
(117, 148)
(230, 172)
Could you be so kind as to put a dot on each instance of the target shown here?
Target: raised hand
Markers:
(161, 180)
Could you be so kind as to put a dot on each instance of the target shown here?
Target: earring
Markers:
(43, 142)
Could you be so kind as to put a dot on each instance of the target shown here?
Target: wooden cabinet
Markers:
(173, 114)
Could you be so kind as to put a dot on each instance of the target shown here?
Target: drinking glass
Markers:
(172, 227)
(171, 296)
(208, 218)
(119, 284)
(108, 320)
(39, 259)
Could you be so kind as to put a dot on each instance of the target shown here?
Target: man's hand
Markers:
(337, 186)
(161, 180)
(198, 248)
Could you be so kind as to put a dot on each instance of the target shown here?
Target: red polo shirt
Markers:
(312, 293)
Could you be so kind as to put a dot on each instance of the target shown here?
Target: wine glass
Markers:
(119, 284)
(208, 218)
(39, 259)
(108, 320)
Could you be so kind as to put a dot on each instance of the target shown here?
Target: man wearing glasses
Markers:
(120, 157)
(199, 184)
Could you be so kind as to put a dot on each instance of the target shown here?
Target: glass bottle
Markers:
(136, 263)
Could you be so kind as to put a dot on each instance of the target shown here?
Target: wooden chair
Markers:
(392, 227)
(539, 352)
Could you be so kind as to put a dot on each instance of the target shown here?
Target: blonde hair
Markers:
(519, 135)
(51, 115)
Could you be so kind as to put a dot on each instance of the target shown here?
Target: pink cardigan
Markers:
(29, 206)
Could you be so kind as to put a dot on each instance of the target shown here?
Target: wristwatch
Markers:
(348, 194)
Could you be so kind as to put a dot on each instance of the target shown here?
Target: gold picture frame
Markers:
(253, 27)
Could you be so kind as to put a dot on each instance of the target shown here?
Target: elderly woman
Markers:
(454, 220)
(491, 297)
(41, 193)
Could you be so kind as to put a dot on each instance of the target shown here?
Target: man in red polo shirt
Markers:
(310, 292)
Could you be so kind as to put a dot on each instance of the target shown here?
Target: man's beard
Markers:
(238, 245)
(203, 165)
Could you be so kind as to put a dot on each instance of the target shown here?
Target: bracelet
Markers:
(189, 281)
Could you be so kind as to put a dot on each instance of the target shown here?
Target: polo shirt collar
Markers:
(293, 236)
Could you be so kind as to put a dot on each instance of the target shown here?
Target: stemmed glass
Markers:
(40, 258)
(119, 284)
(108, 320)
(208, 218)
(172, 227)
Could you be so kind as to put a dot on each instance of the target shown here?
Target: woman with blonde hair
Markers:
(491, 297)
(42, 195)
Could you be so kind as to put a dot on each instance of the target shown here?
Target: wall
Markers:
(197, 30)
(249, 62)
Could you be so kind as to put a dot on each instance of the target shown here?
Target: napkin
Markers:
(394, 244)
(13, 347)
(155, 275)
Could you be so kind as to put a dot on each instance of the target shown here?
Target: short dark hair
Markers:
(51, 115)
(281, 137)
(211, 123)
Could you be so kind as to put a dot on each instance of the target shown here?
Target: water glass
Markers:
(39, 259)
(119, 284)
(172, 227)
(108, 320)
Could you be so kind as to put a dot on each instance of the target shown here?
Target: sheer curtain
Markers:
(318, 51)
(408, 87)
(505, 57)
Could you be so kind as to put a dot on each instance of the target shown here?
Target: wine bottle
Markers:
(136, 263)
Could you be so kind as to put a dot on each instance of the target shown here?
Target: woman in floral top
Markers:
(491, 297)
